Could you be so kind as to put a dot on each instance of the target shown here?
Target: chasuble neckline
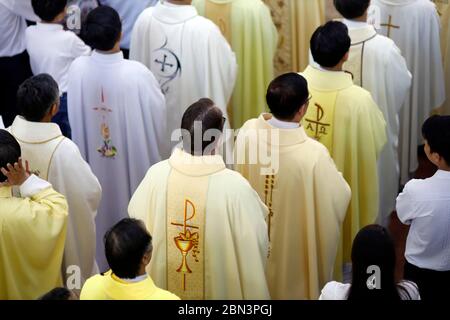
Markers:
(34, 132)
(173, 14)
(196, 166)
(287, 137)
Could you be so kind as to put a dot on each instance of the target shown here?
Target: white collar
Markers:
(50, 26)
(34, 132)
(274, 122)
(107, 57)
(135, 280)
(174, 14)
(353, 24)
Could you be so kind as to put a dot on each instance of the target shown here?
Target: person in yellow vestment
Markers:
(248, 27)
(345, 118)
(307, 196)
(33, 228)
(296, 20)
(128, 249)
(208, 224)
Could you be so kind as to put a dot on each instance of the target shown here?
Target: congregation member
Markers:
(52, 50)
(118, 116)
(57, 159)
(128, 247)
(33, 220)
(373, 276)
(208, 224)
(378, 66)
(345, 118)
(306, 195)
(424, 206)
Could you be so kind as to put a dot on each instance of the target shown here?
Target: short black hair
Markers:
(48, 10)
(10, 151)
(102, 28)
(211, 117)
(286, 95)
(36, 96)
(436, 130)
(352, 9)
(125, 245)
(330, 43)
(57, 294)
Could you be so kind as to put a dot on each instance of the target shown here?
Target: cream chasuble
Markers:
(378, 66)
(208, 227)
(33, 231)
(296, 21)
(414, 26)
(248, 26)
(307, 199)
(443, 7)
(344, 118)
(56, 159)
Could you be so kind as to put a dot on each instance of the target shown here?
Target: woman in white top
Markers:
(373, 276)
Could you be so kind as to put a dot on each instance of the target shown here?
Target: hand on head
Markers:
(16, 174)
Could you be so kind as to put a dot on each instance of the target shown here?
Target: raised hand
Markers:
(16, 174)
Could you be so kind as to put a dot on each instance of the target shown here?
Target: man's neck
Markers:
(337, 68)
(363, 18)
(180, 2)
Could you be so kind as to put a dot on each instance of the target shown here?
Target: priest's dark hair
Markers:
(200, 117)
(126, 243)
(436, 130)
(373, 247)
(58, 294)
(10, 151)
(330, 43)
(36, 96)
(48, 10)
(352, 9)
(102, 28)
(286, 95)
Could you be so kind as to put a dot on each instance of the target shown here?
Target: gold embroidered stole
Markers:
(220, 14)
(319, 120)
(39, 154)
(186, 206)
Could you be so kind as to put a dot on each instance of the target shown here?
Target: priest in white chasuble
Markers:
(296, 20)
(117, 112)
(188, 55)
(414, 26)
(443, 7)
(248, 27)
(306, 195)
(33, 218)
(345, 118)
(57, 159)
(208, 224)
(378, 66)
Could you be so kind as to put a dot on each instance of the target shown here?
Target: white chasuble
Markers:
(378, 66)
(208, 226)
(118, 116)
(57, 159)
(189, 57)
(443, 7)
(414, 26)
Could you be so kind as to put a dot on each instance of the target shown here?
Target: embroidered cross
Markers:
(389, 25)
(164, 63)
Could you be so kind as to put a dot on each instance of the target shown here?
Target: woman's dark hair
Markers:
(436, 130)
(9, 151)
(373, 247)
(102, 28)
(330, 43)
(57, 294)
(48, 10)
(352, 9)
(125, 245)
(286, 95)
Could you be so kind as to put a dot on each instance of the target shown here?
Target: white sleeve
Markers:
(22, 8)
(79, 48)
(405, 205)
(32, 186)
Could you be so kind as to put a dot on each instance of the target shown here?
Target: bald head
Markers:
(202, 125)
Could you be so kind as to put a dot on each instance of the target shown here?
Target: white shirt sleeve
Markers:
(32, 186)
(405, 208)
(23, 9)
(79, 48)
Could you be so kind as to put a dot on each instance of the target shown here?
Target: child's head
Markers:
(10, 151)
(102, 29)
(50, 10)
(436, 132)
(330, 44)
(38, 98)
(128, 248)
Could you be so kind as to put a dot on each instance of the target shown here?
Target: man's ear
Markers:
(347, 55)
(146, 258)
(54, 110)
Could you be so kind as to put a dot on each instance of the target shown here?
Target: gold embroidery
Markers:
(107, 150)
(220, 14)
(268, 194)
(319, 128)
(187, 241)
(389, 26)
